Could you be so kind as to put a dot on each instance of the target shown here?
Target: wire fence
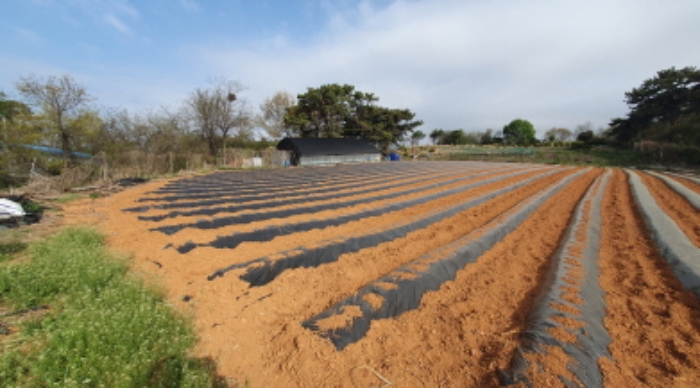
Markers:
(39, 175)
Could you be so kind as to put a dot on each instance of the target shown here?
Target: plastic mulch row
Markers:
(673, 244)
(270, 232)
(244, 196)
(359, 188)
(288, 179)
(283, 213)
(284, 185)
(689, 195)
(439, 266)
(574, 267)
(262, 271)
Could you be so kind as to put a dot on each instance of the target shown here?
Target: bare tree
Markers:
(216, 111)
(557, 134)
(272, 114)
(60, 100)
(166, 130)
(486, 137)
(154, 132)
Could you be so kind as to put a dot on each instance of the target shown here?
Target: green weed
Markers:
(10, 248)
(32, 207)
(579, 157)
(104, 328)
(68, 197)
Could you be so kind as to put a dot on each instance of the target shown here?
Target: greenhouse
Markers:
(328, 151)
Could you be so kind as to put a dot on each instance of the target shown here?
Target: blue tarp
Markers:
(50, 150)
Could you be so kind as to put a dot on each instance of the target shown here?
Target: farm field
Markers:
(414, 274)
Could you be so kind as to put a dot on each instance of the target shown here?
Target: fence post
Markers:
(105, 172)
(172, 166)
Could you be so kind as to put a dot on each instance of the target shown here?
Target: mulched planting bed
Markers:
(452, 274)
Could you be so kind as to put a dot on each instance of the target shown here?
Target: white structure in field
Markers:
(324, 151)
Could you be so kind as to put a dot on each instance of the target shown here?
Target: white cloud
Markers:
(29, 36)
(118, 24)
(190, 5)
(123, 7)
(116, 11)
(457, 64)
(474, 65)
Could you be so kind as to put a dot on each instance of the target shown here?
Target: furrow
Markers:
(673, 244)
(654, 322)
(270, 232)
(263, 270)
(279, 182)
(383, 221)
(248, 195)
(689, 195)
(569, 311)
(693, 179)
(253, 183)
(402, 289)
(334, 193)
(676, 206)
(315, 208)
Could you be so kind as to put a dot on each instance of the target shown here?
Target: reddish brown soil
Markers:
(687, 217)
(686, 182)
(470, 328)
(192, 235)
(459, 337)
(654, 323)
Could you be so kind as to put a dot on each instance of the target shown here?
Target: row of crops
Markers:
(370, 259)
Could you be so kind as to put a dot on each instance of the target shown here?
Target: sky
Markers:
(470, 64)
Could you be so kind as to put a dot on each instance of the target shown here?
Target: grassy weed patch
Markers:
(104, 328)
(7, 249)
(68, 197)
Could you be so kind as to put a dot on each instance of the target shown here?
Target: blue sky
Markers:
(457, 64)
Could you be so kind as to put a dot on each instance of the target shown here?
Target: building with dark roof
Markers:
(324, 151)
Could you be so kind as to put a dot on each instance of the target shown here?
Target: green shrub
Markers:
(55, 166)
(580, 145)
(32, 207)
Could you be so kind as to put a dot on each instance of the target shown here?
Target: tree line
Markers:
(665, 109)
(56, 111)
(518, 132)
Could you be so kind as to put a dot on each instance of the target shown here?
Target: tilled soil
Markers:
(691, 184)
(461, 335)
(687, 217)
(654, 322)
